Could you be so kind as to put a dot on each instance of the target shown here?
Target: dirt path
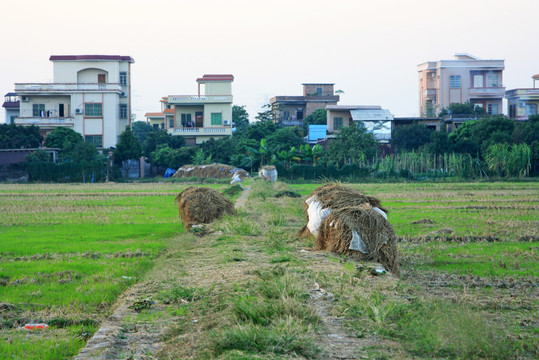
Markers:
(120, 336)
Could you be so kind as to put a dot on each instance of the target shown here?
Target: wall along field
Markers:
(469, 262)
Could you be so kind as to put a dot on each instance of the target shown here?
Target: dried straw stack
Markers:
(217, 171)
(351, 215)
(200, 205)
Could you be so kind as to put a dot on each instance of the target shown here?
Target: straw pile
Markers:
(200, 205)
(346, 221)
(268, 173)
(217, 171)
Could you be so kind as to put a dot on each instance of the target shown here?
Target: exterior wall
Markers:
(186, 109)
(311, 89)
(224, 109)
(331, 114)
(218, 88)
(11, 113)
(68, 71)
(312, 106)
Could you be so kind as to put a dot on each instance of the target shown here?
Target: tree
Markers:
(407, 138)
(240, 118)
(19, 137)
(318, 117)
(160, 137)
(285, 138)
(67, 140)
(462, 109)
(141, 130)
(260, 130)
(127, 148)
(353, 145)
(268, 113)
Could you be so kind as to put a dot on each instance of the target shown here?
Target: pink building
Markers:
(464, 79)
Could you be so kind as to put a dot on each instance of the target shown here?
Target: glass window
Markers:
(454, 81)
(531, 109)
(93, 109)
(216, 118)
(123, 78)
(492, 109)
(478, 81)
(96, 140)
(186, 120)
(171, 122)
(337, 123)
(492, 81)
(38, 110)
(123, 111)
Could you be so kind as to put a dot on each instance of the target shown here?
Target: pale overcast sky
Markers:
(369, 49)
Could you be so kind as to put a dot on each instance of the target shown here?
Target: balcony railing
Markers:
(292, 122)
(201, 131)
(66, 87)
(487, 91)
(44, 121)
(189, 99)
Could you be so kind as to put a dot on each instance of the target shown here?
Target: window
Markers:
(318, 91)
(492, 109)
(123, 111)
(171, 122)
(13, 120)
(186, 120)
(454, 81)
(93, 109)
(216, 118)
(123, 78)
(156, 126)
(478, 81)
(531, 109)
(492, 81)
(512, 111)
(337, 123)
(96, 140)
(38, 110)
(299, 114)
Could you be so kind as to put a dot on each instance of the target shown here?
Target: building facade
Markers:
(291, 110)
(523, 102)
(90, 94)
(11, 105)
(464, 79)
(200, 117)
(375, 119)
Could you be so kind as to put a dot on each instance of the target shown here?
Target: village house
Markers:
(200, 117)
(90, 94)
(523, 102)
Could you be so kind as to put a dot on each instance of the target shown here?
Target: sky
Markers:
(368, 49)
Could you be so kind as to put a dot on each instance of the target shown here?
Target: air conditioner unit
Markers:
(24, 98)
(78, 111)
(226, 122)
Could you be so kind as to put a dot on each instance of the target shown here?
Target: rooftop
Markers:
(215, 77)
(91, 58)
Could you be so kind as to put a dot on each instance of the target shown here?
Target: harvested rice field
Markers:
(115, 258)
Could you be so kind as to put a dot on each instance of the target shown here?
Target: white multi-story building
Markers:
(90, 94)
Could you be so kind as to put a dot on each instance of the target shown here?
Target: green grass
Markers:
(72, 249)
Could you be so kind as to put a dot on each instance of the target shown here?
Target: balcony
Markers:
(196, 99)
(487, 92)
(201, 131)
(292, 122)
(33, 88)
(45, 121)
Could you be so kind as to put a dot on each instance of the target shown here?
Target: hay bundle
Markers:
(200, 205)
(268, 173)
(361, 233)
(346, 221)
(217, 171)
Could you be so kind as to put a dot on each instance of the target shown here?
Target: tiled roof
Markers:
(91, 57)
(216, 77)
(11, 105)
(154, 114)
(169, 111)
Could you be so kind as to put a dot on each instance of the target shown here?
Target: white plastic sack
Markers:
(357, 243)
(316, 215)
(269, 175)
(381, 212)
(236, 178)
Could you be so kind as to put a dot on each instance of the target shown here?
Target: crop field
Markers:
(251, 289)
